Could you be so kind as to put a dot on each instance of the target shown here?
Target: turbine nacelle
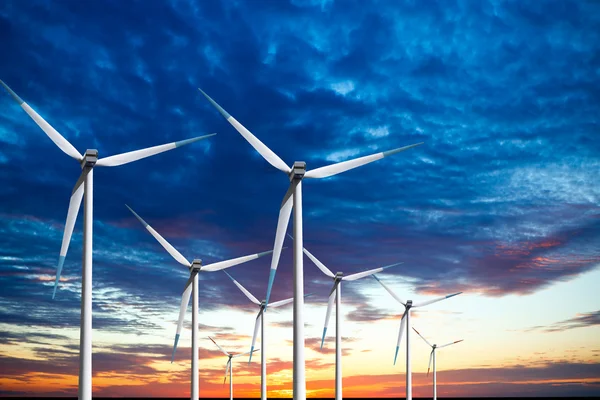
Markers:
(196, 265)
(338, 276)
(409, 304)
(89, 158)
(298, 170)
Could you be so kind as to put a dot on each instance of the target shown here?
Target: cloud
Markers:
(581, 320)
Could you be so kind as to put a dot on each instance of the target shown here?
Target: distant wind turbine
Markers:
(405, 321)
(229, 366)
(293, 197)
(191, 290)
(260, 318)
(336, 292)
(434, 347)
(85, 187)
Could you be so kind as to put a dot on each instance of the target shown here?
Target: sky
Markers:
(501, 202)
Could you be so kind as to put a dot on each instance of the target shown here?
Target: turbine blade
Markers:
(220, 348)
(332, 295)
(448, 344)
(226, 371)
(259, 146)
(166, 245)
(430, 345)
(283, 302)
(256, 325)
(400, 332)
(56, 137)
(185, 300)
(426, 303)
(430, 357)
(234, 261)
(318, 263)
(343, 166)
(359, 275)
(245, 354)
(283, 220)
(132, 156)
(74, 205)
(398, 299)
(243, 289)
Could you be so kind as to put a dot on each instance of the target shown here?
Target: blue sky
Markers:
(501, 202)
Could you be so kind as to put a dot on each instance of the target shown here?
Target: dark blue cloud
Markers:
(504, 95)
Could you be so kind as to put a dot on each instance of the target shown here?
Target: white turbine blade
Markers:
(256, 325)
(285, 211)
(282, 302)
(185, 300)
(220, 348)
(430, 345)
(132, 156)
(318, 263)
(430, 357)
(235, 261)
(332, 295)
(259, 146)
(167, 246)
(74, 205)
(243, 289)
(56, 137)
(400, 332)
(389, 290)
(245, 354)
(359, 275)
(448, 344)
(226, 371)
(343, 166)
(426, 303)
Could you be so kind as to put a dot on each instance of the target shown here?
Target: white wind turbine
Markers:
(293, 199)
(85, 187)
(229, 366)
(260, 317)
(405, 321)
(191, 290)
(336, 293)
(434, 347)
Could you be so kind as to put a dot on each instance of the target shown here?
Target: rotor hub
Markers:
(409, 304)
(298, 170)
(338, 276)
(89, 158)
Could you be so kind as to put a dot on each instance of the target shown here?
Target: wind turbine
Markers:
(293, 199)
(229, 366)
(84, 187)
(434, 347)
(336, 293)
(191, 290)
(260, 317)
(405, 320)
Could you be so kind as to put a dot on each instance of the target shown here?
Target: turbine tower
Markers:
(191, 290)
(260, 318)
(229, 366)
(84, 187)
(434, 347)
(405, 321)
(293, 199)
(336, 293)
